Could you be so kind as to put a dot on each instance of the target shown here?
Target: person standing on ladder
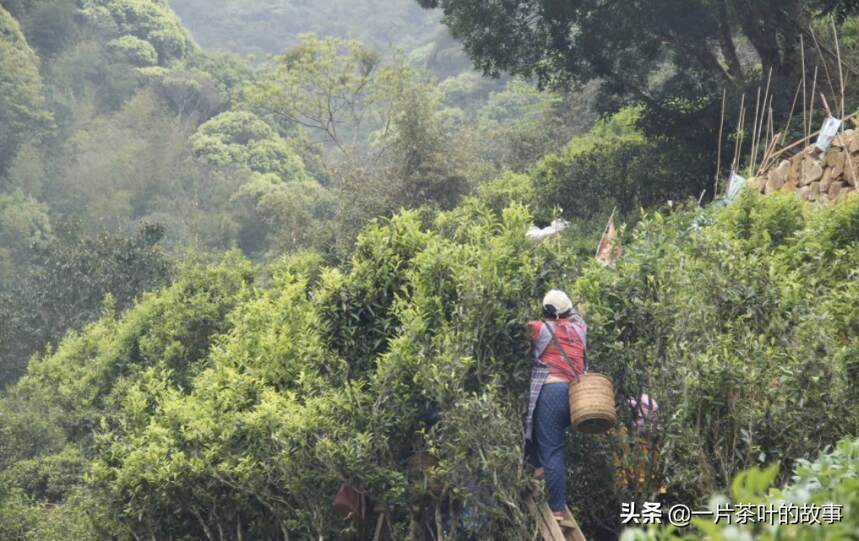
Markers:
(560, 344)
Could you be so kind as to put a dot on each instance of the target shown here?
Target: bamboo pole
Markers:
(719, 148)
(823, 61)
(742, 136)
(804, 97)
(767, 160)
(755, 129)
(783, 135)
(825, 105)
(852, 175)
(766, 97)
(771, 141)
(811, 105)
(840, 71)
(772, 134)
(740, 114)
(760, 128)
(792, 107)
(804, 139)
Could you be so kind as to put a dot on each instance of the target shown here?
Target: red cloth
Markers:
(570, 341)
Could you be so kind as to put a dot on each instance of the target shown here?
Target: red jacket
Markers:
(570, 333)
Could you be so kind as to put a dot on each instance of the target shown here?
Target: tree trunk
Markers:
(726, 42)
(439, 523)
(203, 524)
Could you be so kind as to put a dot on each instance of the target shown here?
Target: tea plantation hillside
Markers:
(241, 397)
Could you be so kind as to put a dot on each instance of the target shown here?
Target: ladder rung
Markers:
(565, 523)
(552, 529)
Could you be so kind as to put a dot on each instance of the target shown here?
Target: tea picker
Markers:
(562, 393)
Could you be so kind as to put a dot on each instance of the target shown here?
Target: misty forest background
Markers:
(250, 249)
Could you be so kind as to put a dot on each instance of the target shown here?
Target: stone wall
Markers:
(826, 177)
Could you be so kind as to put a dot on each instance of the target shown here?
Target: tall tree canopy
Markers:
(21, 102)
(241, 138)
(636, 48)
(148, 21)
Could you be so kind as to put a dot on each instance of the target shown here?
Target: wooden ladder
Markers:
(547, 525)
(551, 528)
(382, 531)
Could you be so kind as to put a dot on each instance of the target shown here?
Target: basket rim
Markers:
(592, 375)
(605, 414)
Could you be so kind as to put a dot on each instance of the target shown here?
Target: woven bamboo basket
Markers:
(592, 404)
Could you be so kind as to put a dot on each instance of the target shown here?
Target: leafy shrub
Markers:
(150, 21)
(508, 188)
(22, 105)
(830, 479)
(134, 51)
(283, 217)
(613, 165)
(242, 139)
(226, 403)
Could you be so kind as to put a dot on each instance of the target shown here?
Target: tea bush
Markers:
(831, 479)
(236, 401)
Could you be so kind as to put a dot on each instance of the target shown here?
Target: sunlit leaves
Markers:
(231, 402)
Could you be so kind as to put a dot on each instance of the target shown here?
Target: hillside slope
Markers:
(240, 398)
(270, 26)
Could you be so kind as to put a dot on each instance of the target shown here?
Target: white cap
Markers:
(558, 300)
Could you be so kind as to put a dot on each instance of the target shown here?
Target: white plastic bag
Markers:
(735, 186)
(536, 234)
(827, 133)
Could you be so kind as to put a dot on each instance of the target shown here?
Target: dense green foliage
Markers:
(641, 173)
(21, 103)
(232, 284)
(628, 45)
(238, 399)
(150, 23)
(39, 307)
(746, 329)
(119, 266)
(241, 139)
(115, 119)
(672, 58)
(830, 479)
